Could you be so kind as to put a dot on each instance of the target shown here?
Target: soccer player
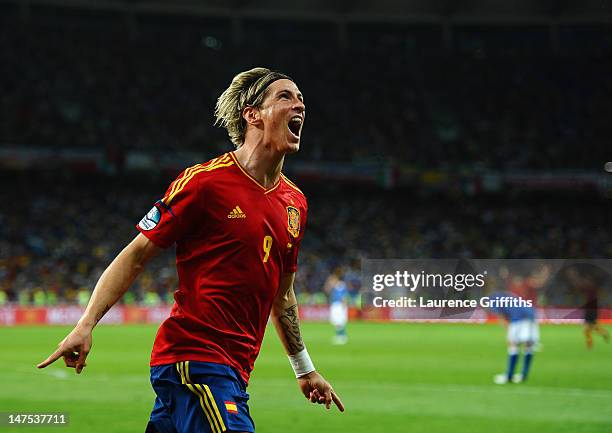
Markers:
(338, 310)
(583, 279)
(237, 223)
(590, 320)
(523, 332)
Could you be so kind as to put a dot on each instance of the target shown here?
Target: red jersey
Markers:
(234, 239)
(525, 288)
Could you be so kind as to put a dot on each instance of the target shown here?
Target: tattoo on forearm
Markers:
(108, 307)
(291, 327)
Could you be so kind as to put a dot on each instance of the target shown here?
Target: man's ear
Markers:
(251, 115)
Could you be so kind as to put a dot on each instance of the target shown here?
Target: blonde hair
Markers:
(247, 89)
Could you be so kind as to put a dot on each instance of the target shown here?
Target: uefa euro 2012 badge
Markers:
(150, 220)
(293, 221)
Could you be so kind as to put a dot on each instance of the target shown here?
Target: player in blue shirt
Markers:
(522, 331)
(338, 311)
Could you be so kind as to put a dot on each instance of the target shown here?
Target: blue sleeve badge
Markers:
(150, 220)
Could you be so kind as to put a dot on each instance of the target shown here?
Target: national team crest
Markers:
(293, 221)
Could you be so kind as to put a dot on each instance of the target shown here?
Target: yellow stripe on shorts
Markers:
(207, 401)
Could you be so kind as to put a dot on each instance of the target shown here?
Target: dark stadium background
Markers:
(434, 129)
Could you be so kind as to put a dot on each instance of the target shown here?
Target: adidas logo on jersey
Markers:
(236, 213)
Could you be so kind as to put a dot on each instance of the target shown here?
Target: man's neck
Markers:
(261, 162)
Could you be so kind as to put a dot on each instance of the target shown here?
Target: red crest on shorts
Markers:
(231, 407)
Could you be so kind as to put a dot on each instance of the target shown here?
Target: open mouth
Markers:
(295, 125)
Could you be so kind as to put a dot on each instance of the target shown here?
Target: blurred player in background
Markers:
(523, 331)
(337, 290)
(591, 309)
(237, 223)
(527, 286)
(584, 280)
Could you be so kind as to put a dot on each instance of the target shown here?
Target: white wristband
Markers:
(301, 363)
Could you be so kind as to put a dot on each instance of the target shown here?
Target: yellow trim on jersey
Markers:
(266, 190)
(190, 173)
(210, 165)
(207, 401)
(180, 183)
(274, 187)
(292, 185)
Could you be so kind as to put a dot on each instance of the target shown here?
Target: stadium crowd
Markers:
(150, 84)
(81, 83)
(55, 244)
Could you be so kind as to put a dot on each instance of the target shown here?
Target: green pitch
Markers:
(391, 377)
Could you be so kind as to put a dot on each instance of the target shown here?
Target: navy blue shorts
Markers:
(199, 397)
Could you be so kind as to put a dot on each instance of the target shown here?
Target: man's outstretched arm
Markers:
(111, 286)
(285, 318)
